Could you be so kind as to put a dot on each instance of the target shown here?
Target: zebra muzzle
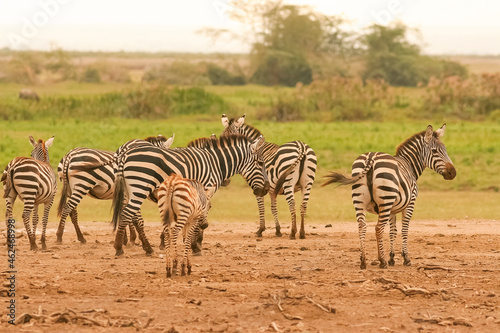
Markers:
(262, 191)
(450, 172)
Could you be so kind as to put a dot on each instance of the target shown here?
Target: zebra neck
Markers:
(251, 132)
(412, 161)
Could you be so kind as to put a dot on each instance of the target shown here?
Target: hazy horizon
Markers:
(447, 27)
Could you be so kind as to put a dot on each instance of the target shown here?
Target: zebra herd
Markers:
(183, 180)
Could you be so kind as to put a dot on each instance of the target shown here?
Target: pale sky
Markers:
(447, 26)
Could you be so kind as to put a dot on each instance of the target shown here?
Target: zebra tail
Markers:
(66, 191)
(7, 180)
(339, 178)
(118, 199)
(166, 219)
(285, 174)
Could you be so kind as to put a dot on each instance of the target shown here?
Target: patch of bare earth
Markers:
(243, 284)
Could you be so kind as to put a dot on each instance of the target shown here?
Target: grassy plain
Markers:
(473, 146)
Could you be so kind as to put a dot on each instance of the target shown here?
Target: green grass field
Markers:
(473, 146)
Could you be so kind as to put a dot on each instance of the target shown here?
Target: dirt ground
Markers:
(244, 284)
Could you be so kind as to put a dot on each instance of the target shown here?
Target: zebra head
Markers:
(254, 171)
(233, 126)
(435, 155)
(41, 148)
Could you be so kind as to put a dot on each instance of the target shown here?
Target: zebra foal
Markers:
(387, 185)
(183, 205)
(34, 181)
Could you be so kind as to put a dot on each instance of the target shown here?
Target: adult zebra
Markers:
(34, 181)
(290, 167)
(99, 183)
(387, 185)
(145, 168)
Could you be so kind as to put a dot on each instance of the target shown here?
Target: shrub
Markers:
(90, 75)
(178, 73)
(282, 68)
(220, 76)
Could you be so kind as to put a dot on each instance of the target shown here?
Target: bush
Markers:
(282, 68)
(178, 73)
(220, 76)
(90, 75)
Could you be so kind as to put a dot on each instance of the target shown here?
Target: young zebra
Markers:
(34, 181)
(145, 168)
(291, 167)
(183, 205)
(387, 185)
(99, 183)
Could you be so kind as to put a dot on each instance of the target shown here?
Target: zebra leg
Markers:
(303, 209)
(392, 236)
(186, 260)
(162, 241)
(133, 234)
(383, 218)
(407, 213)
(139, 226)
(74, 220)
(34, 220)
(45, 221)
(70, 206)
(28, 208)
(176, 228)
(167, 240)
(262, 218)
(361, 217)
(274, 210)
(291, 206)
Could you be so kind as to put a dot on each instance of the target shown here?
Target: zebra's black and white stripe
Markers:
(145, 168)
(34, 181)
(183, 205)
(387, 185)
(80, 180)
(291, 167)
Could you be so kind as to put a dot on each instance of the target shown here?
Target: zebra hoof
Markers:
(162, 247)
(278, 234)
(363, 265)
(119, 253)
(59, 242)
(258, 234)
(292, 236)
(383, 264)
(130, 244)
(302, 236)
(83, 241)
(407, 262)
(391, 262)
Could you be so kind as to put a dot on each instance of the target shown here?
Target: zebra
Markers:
(145, 168)
(34, 181)
(183, 205)
(290, 167)
(387, 185)
(98, 183)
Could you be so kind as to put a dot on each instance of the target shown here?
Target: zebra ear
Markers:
(428, 134)
(240, 121)
(225, 121)
(32, 141)
(49, 142)
(256, 144)
(169, 141)
(440, 132)
(210, 191)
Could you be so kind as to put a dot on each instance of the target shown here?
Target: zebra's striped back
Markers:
(291, 167)
(387, 185)
(183, 205)
(34, 181)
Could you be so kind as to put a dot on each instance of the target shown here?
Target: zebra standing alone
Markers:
(291, 167)
(183, 205)
(145, 168)
(34, 181)
(99, 183)
(387, 185)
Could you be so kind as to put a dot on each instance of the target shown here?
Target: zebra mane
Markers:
(247, 128)
(221, 142)
(153, 139)
(413, 138)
